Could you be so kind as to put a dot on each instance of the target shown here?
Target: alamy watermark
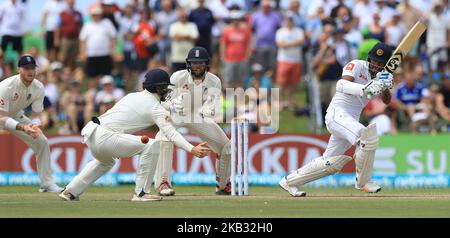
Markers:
(260, 106)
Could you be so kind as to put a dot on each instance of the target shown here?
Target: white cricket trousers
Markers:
(106, 146)
(208, 132)
(41, 148)
(345, 131)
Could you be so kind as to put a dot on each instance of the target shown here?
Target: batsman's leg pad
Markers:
(147, 166)
(365, 154)
(223, 166)
(317, 169)
(164, 167)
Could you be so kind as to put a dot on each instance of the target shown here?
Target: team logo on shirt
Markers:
(29, 96)
(350, 66)
(16, 96)
(168, 119)
(185, 86)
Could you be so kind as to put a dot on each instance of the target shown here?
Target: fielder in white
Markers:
(110, 137)
(17, 93)
(360, 80)
(197, 94)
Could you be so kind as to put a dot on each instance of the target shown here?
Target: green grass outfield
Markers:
(190, 201)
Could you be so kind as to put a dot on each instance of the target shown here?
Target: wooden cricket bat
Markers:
(403, 48)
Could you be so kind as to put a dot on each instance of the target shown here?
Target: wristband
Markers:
(11, 124)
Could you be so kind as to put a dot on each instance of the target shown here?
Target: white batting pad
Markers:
(317, 169)
(365, 154)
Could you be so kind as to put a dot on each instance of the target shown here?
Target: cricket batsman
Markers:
(17, 93)
(109, 137)
(191, 84)
(360, 80)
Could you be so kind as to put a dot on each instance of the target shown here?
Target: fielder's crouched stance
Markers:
(195, 83)
(342, 121)
(110, 136)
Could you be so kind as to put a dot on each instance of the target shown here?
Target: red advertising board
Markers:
(278, 153)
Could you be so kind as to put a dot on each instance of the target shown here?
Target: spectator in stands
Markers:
(410, 98)
(51, 87)
(384, 12)
(395, 31)
(265, 24)
(106, 103)
(258, 74)
(145, 42)
(300, 20)
(126, 24)
(362, 10)
(289, 40)
(97, 45)
(325, 64)
(376, 29)
(183, 35)
(352, 34)
(442, 100)
(438, 39)
(221, 15)
(366, 44)
(108, 89)
(381, 114)
(49, 115)
(204, 19)
(164, 19)
(314, 26)
(111, 12)
(66, 35)
(49, 23)
(12, 12)
(408, 17)
(235, 50)
(73, 104)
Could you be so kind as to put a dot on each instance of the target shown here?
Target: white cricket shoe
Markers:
(165, 189)
(145, 198)
(370, 187)
(51, 189)
(291, 189)
(67, 196)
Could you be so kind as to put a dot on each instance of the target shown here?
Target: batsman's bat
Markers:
(403, 48)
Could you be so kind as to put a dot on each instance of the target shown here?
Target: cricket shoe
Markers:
(225, 191)
(291, 189)
(145, 198)
(370, 187)
(67, 196)
(51, 189)
(165, 189)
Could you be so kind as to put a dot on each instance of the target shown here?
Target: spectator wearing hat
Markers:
(362, 12)
(289, 40)
(66, 34)
(49, 22)
(235, 50)
(395, 30)
(352, 34)
(12, 13)
(258, 78)
(384, 11)
(438, 39)
(97, 45)
(108, 90)
(111, 12)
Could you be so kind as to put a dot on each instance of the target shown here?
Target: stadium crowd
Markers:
(89, 62)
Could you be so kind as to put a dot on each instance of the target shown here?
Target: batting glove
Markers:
(386, 78)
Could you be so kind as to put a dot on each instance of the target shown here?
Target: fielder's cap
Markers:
(56, 66)
(106, 79)
(26, 61)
